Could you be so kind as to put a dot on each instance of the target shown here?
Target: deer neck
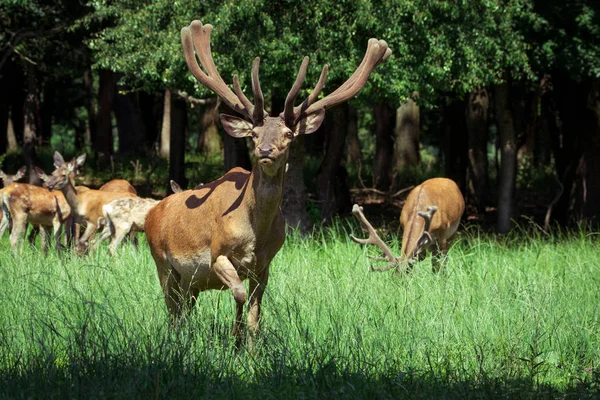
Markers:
(264, 195)
(71, 196)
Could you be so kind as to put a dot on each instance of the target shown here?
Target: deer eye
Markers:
(253, 134)
(289, 134)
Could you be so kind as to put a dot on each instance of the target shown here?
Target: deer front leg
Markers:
(43, 238)
(257, 286)
(90, 229)
(226, 272)
(18, 230)
(5, 223)
(57, 228)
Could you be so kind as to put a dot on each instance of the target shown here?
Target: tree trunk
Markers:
(354, 154)
(209, 141)
(508, 166)
(46, 113)
(455, 143)
(384, 146)
(178, 115)
(90, 105)
(332, 179)
(129, 124)
(148, 106)
(4, 113)
(477, 127)
(406, 146)
(165, 131)
(103, 145)
(31, 124)
(569, 100)
(587, 201)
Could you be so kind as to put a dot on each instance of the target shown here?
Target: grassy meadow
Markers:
(511, 317)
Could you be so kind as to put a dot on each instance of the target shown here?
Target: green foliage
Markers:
(515, 317)
(438, 45)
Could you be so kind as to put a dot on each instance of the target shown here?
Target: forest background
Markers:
(501, 96)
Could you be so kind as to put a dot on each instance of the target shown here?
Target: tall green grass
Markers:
(513, 317)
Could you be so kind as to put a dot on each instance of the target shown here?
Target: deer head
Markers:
(64, 173)
(272, 135)
(399, 263)
(7, 179)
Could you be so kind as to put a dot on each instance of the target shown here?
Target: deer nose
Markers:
(265, 151)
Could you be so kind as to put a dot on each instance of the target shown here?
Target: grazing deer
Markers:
(7, 180)
(86, 206)
(430, 218)
(124, 217)
(229, 230)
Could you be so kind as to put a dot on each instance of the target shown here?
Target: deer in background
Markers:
(430, 218)
(118, 185)
(7, 180)
(229, 230)
(86, 206)
(38, 206)
(125, 217)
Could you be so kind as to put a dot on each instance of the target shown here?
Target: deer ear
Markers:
(309, 123)
(58, 160)
(20, 173)
(41, 174)
(80, 160)
(235, 126)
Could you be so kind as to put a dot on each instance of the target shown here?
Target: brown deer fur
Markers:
(118, 185)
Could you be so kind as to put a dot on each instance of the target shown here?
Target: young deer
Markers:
(430, 218)
(7, 180)
(38, 206)
(86, 206)
(229, 230)
(124, 217)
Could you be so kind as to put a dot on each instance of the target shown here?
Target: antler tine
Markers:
(427, 216)
(373, 239)
(288, 110)
(313, 95)
(377, 52)
(258, 113)
(198, 36)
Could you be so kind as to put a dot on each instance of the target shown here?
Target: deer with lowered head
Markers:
(229, 230)
(430, 218)
(86, 206)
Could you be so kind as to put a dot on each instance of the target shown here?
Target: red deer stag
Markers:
(86, 206)
(229, 230)
(430, 218)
